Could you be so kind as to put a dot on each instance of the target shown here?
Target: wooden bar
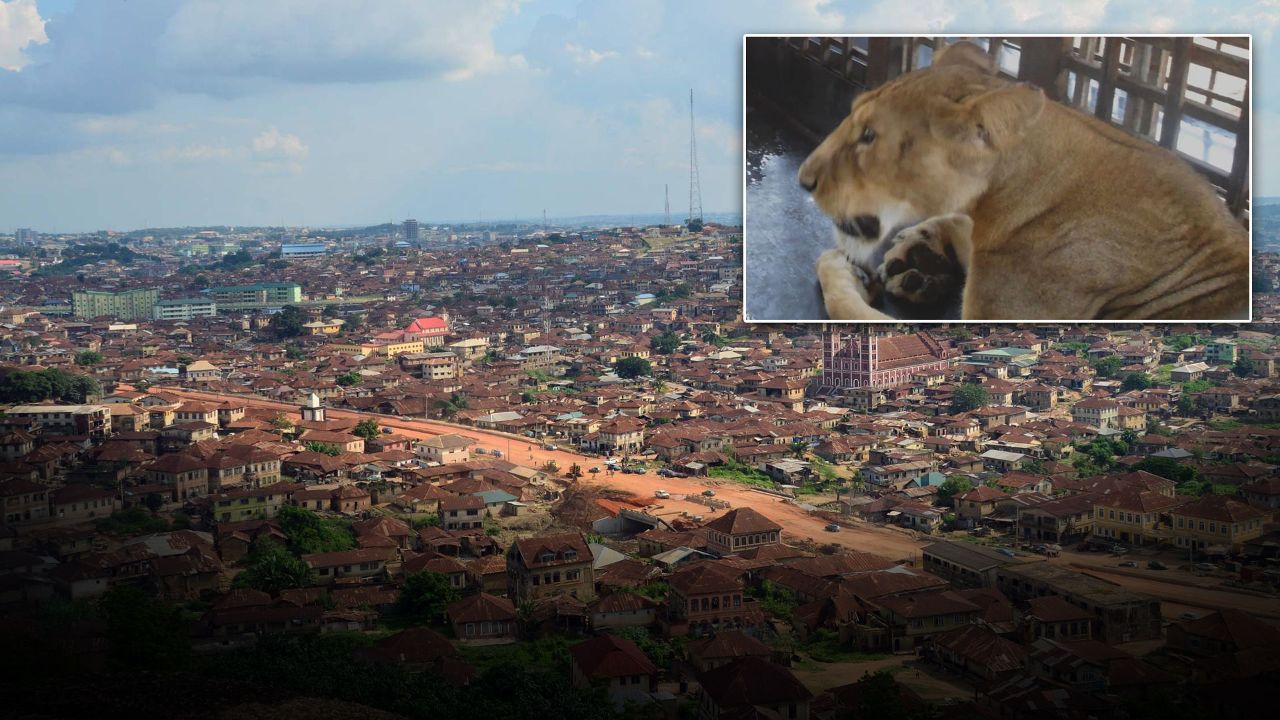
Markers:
(1238, 190)
(1107, 83)
(1172, 120)
(1042, 64)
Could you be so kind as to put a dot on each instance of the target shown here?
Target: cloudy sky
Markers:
(117, 114)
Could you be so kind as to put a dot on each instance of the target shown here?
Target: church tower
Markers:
(312, 410)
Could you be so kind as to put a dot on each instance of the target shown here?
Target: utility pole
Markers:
(695, 189)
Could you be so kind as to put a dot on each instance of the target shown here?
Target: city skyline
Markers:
(285, 114)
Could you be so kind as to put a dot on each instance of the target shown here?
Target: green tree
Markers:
(269, 567)
(664, 344)
(144, 633)
(288, 322)
(425, 596)
(323, 448)
(969, 396)
(348, 379)
(630, 368)
(293, 352)
(1135, 381)
(88, 358)
(1243, 367)
(1170, 469)
(184, 359)
(281, 422)
(1108, 366)
(367, 429)
(309, 533)
(951, 487)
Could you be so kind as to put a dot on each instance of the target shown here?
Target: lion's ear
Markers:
(996, 118)
(966, 54)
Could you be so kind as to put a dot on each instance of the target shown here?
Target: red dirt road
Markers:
(798, 523)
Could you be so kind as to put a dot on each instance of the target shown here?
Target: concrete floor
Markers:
(785, 232)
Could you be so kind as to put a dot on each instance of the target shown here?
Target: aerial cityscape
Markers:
(344, 375)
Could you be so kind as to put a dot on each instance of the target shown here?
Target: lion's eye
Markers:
(868, 136)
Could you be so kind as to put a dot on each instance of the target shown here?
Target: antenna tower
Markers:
(695, 190)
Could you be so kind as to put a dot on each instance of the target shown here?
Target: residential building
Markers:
(741, 529)
(137, 304)
(483, 618)
(1133, 516)
(540, 567)
(752, 687)
(258, 296)
(628, 674)
(1118, 615)
(25, 502)
(91, 420)
(444, 449)
(462, 512)
(1217, 521)
(184, 309)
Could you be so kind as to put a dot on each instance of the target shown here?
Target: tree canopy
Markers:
(425, 596)
(270, 568)
(288, 322)
(969, 396)
(632, 367)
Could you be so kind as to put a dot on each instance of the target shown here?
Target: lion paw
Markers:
(921, 267)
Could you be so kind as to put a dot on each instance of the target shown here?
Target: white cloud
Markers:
(587, 56)
(279, 152)
(20, 26)
(199, 153)
(335, 40)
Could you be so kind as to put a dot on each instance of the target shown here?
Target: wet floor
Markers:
(785, 232)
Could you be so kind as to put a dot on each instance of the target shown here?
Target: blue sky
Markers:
(119, 114)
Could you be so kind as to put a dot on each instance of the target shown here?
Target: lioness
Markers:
(1051, 213)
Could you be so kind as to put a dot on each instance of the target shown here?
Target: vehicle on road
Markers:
(667, 472)
(1157, 565)
(661, 494)
(549, 446)
(1119, 549)
(1129, 563)
(1206, 567)
(1006, 552)
(387, 431)
(480, 451)
(709, 493)
(1189, 616)
(496, 453)
(594, 469)
(633, 470)
(831, 527)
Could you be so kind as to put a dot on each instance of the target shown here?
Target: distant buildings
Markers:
(137, 304)
(91, 420)
(25, 236)
(410, 229)
(302, 251)
(257, 296)
(867, 360)
(184, 309)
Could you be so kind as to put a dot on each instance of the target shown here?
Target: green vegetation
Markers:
(348, 379)
(323, 449)
(144, 633)
(541, 653)
(737, 472)
(774, 599)
(824, 646)
(310, 533)
(969, 396)
(288, 322)
(27, 386)
(133, 520)
(952, 487)
(78, 256)
(1071, 348)
(1135, 381)
(632, 367)
(367, 429)
(1108, 366)
(425, 596)
(1196, 386)
(88, 358)
(662, 652)
(665, 344)
(1183, 341)
(270, 568)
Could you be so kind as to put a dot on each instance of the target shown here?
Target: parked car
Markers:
(1206, 567)
(387, 431)
(1189, 616)
(549, 446)
(1006, 552)
(1129, 563)
(496, 453)
(667, 472)
(480, 451)
(1119, 549)
(709, 493)
(832, 527)
(1157, 565)
(661, 494)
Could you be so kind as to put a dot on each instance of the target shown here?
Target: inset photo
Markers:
(1043, 178)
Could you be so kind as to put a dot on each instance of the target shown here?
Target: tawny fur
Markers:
(1071, 218)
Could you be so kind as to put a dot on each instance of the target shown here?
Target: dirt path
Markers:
(798, 524)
